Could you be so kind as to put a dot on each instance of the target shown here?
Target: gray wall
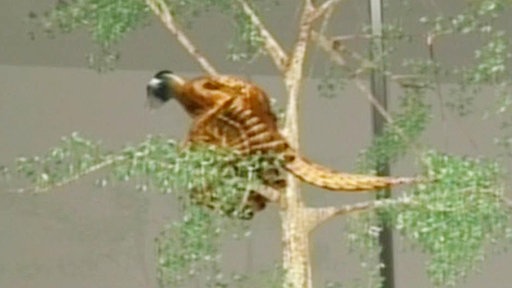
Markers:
(82, 236)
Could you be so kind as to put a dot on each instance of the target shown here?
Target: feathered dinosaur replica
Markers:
(232, 113)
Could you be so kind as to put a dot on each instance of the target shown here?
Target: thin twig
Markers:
(327, 45)
(162, 11)
(105, 163)
(323, 27)
(323, 42)
(371, 98)
(326, 6)
(271, 45)
(334, 48)
(350, 37)
(321, 215)
(416, 148)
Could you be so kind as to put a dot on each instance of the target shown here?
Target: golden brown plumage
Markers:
(233, 113)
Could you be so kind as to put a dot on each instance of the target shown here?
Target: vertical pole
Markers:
(379, 90)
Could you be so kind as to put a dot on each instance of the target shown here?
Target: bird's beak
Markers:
(153, 102)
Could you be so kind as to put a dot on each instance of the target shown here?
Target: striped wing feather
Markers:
(248, 125)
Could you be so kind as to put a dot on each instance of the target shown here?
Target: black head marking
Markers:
(158, 89)
(161, 74)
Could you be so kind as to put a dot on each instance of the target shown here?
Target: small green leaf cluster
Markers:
(393, 32)
(246, 44)
(332, 81)
(108, 22)
(75, 156)
(491, 62)
(491, 68)
(362, 234)
(453, 218)
(187, 10)
(478, 16)
(189, 247)
(398, 137)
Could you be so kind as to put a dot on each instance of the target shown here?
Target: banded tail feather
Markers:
(255, 136)
(321, 176)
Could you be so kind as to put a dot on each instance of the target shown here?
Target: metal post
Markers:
(379, 90)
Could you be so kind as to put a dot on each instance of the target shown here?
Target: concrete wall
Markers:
(82, 236)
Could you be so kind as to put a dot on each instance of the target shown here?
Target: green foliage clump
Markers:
(108, 22)
(205, 175)
(186, 247)
(453, 217)
(457, 215)
(73, 158)
(246, 44)
(189, 247)
(491, 68)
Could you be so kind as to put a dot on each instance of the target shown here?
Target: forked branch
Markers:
(327, 45)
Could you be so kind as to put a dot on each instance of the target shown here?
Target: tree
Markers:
(466, 199)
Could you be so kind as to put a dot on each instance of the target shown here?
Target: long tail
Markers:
(326, 178)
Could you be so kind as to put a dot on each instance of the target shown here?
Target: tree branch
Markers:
(320, 215)
(322, 9)
(371, 98)
(294, 73)
(162, 11)
(296, 258)
(327, 45)
(103, 164)
(273, 48)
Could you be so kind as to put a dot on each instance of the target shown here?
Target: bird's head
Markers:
(163, 87)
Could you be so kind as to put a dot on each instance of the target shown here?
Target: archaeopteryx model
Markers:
(233, 113)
